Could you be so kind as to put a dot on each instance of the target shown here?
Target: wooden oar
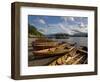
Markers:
(85, 61)
(77, 61)
(71, 58)
(82, 51)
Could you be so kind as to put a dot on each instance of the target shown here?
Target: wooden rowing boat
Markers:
(47, 45)
(59, 50)
(38, 40)
(73, 57)
(44, 45)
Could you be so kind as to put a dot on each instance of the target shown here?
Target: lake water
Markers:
(81, 41)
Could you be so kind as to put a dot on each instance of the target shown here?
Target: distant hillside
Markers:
(80, 34)
(58, 35)
(33, 31)
(65, 35)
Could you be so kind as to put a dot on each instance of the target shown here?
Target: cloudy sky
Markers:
(59, 24)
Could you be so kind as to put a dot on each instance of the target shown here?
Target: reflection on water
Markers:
(81, 41)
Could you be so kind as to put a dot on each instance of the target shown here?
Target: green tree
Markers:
(33, 31)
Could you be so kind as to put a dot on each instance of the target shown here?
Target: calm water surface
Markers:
(81, 41)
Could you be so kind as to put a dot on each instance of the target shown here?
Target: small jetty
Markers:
(48, 52)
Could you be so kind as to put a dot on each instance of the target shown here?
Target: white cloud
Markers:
(78, 29)
(71, 18)
(68, 18)
(84, 30)
(42, 30)
(82, 24)
(42, 21)
(64, 28)
(72, 29)
(67, 30)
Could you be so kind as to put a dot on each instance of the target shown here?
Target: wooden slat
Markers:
(77, 61)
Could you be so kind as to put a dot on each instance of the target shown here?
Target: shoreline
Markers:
(32, 61)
